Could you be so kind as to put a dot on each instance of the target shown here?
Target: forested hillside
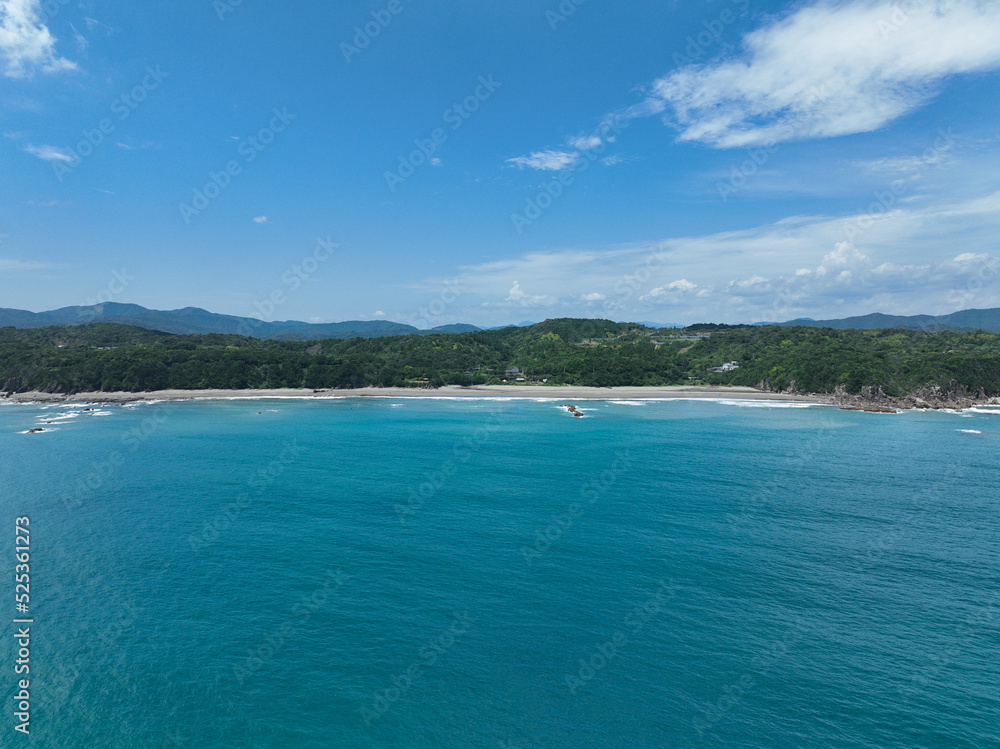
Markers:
(602, 353)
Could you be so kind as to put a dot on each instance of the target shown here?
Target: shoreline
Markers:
(554, 392)
(871, 402)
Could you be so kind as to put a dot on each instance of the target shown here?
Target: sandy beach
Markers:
(567, 392)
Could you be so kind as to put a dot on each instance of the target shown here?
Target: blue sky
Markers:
(493, 162)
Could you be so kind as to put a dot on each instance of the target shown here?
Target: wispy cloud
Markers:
(26, 44)
(260, 219)
(549, 161)
(906, 166)
(672, 291)
(148, 145)
(585, 142)
(519, 298)
(80, 39)
(582, 147)
(830, 69)
(10, 265)
(49, 153)
(827, 69)
(801, 265)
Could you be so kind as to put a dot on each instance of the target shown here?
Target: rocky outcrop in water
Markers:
(874, 399)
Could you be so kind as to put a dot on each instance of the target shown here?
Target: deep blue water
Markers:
(454, 573)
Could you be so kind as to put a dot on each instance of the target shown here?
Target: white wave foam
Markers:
(969, 431)
(753, 403)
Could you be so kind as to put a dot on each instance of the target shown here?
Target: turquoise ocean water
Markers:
(496, 573)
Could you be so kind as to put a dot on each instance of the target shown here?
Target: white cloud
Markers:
(829, 69)
(551, 161)
(260, 219)
(594, 297)
(585, 142)
(143, 147)
(94, 24)
(10, 265)
(26, 45)
(49, 153)
(907, 166)
(845, 263)
(798, 266)
(80, 39)
(670, 291)
(378, 313)
(518, 297)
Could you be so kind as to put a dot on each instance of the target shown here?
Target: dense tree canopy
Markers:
(601, 353)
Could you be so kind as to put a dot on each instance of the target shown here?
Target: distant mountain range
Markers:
(964, 321)
(658, 325)
(193, 320)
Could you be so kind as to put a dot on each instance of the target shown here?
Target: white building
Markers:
(729, 366)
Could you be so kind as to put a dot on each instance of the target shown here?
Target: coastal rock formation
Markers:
(874, 399)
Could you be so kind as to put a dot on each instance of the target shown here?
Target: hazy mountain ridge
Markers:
(194, 320)
(963, 321)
